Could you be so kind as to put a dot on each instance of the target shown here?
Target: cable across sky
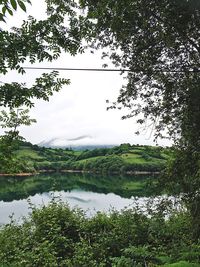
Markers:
(110, 70)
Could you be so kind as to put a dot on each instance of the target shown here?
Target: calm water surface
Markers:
(90, 193)
(90, 202)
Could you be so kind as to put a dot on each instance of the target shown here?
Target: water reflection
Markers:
(90, 193)
(90, 202)
(15, 188)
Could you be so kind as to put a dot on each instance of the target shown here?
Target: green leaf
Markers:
(4, 10)
(13, 4)
(10, 11)
(2, 17)
(22, 5)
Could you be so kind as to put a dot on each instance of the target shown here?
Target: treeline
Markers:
(107, 164)
(125, 158)
(105, 160)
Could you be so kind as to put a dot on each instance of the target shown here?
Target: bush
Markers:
(59, 236)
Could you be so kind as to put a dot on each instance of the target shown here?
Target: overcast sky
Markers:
(79, 109)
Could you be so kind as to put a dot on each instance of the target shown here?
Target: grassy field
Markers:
(121, 158)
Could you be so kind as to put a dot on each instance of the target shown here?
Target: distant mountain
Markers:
(90, 147)
(77, 143)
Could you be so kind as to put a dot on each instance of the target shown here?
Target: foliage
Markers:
(8, 6)
(182, 264)
(58, 236)
(9, 142)
(182, 177)
(15, 95)
(158, 43)
(35, 41)
(119, 159)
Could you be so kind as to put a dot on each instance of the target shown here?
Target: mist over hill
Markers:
(77, 143)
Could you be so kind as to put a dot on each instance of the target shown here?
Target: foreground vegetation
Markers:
(120, 159)
(58, 236)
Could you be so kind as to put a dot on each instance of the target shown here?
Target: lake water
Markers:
(88, 192)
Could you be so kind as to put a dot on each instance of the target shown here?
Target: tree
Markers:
(9, 142)
(158, 42)
(35, 41)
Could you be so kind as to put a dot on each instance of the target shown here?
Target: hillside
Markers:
(118, 159)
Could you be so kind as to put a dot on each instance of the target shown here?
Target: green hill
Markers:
(118, 159)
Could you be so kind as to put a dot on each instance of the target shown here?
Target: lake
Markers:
(89, 192)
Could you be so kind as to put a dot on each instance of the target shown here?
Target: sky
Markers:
(78, 113)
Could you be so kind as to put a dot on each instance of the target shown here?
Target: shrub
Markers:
(56, 235)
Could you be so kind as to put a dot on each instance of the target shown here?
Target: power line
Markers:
(74, 69)
(112, 70)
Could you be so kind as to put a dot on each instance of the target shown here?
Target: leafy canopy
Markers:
(33, 42)
(158, 41)
(9, 6)
(38, 41)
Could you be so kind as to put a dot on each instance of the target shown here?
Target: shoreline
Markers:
(19, 174)
(27, 174)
